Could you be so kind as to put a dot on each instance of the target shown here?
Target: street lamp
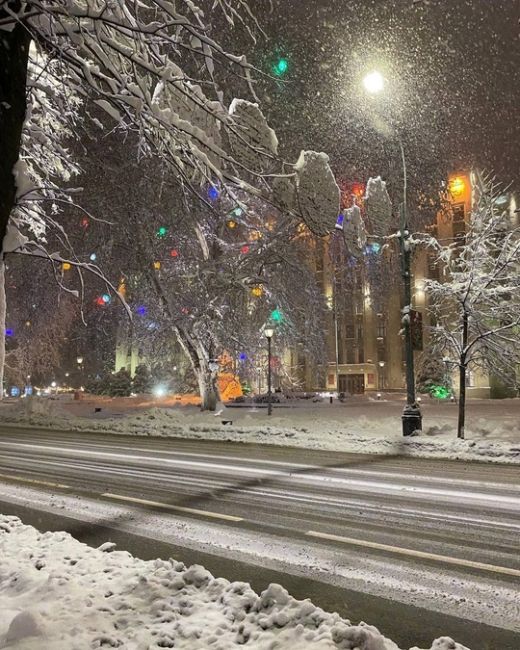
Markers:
(411, 418)
(268, 333)
(381, 365)
(374, 82)
(447, 378)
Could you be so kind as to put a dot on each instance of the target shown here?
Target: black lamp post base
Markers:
(412, 420)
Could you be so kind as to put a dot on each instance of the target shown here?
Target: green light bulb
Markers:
(276, 316)
(280, 67)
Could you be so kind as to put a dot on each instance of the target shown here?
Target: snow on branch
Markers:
(317, 191)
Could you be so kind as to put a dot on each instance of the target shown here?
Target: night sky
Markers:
(453, 82)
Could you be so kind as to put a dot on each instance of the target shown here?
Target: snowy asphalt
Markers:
(439, 535)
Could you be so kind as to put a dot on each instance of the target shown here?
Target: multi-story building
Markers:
(365, 345)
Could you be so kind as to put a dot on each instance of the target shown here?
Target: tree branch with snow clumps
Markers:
(133, 60)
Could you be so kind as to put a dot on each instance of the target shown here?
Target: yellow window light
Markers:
(457, 186)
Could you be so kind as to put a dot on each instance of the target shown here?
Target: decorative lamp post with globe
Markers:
(374, 83)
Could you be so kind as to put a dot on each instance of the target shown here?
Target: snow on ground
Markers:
(58, 593)
(363, 427)
(445, 590)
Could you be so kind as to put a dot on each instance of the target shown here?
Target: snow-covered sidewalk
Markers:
(489, 439)
(58, 593)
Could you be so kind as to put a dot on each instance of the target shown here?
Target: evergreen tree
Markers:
(142, 381)
(431, 372)
(120, 384)
(94, 386)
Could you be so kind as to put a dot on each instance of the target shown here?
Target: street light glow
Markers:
(159, 391)
(373, 82)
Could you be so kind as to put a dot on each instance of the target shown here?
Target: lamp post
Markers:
(374, 83)
(447, 378)
(381, 382)
(268, 333)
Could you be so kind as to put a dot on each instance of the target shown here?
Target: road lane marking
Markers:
(12, 477)
(413, 553)
(167, 506)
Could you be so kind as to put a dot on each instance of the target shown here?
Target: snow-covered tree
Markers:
(211, 277)
(476, 306)
(155, 70)
(40, 317)
(153, 67)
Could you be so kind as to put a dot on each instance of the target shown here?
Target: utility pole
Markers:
(336, 333)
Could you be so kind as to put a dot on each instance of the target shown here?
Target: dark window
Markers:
(459, 229)
(433, 268)
(349, 329)
(458, 212)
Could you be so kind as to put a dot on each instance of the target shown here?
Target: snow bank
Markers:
(58, 593)
(487, 440)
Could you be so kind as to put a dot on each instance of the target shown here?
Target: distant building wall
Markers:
(370, 355)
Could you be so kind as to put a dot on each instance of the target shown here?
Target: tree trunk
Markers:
(14, 55)
(3, 307)
(462, 377)
(199, 358)
(462, 399)
(208, 389)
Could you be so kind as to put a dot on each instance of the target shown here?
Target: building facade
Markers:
(365, 344)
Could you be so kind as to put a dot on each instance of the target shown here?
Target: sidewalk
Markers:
(357, 426)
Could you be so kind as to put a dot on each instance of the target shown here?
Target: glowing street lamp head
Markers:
(374, 82)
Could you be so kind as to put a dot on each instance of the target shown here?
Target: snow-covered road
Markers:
(435, 534)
